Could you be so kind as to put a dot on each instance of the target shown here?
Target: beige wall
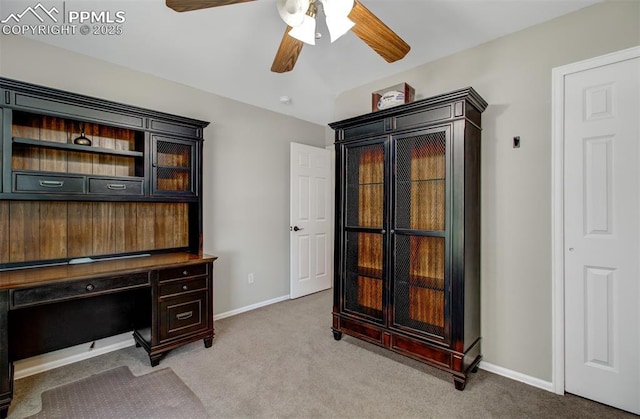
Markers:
(513, 74)
(246, 161)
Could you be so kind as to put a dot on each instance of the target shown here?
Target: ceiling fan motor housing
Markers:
(293, 11)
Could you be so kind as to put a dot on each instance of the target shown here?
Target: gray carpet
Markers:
(117, 393)
(281, 361)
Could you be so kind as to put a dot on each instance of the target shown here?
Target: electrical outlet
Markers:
(250, 278)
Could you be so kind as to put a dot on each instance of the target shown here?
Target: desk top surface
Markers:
(36, 276)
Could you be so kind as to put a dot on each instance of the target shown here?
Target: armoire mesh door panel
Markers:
(419, 293)
(420, 180)
(363, 281)
(173, 154)
(365, 186)
(173, 171)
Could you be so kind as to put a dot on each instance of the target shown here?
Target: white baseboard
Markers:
(51, 360)
(250, 307)
(45, 362)
(518, 376)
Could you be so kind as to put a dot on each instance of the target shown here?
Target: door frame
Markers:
(557, 201)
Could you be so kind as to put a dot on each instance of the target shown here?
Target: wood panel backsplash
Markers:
(40, 230)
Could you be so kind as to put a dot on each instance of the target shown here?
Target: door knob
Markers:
(296, 228)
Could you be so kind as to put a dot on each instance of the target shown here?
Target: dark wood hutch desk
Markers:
(83, 177)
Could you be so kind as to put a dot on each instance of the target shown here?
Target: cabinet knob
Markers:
(185, 273)
(184, 287)
(90, 287)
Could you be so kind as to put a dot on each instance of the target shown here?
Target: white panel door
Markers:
(311, 220)
(602, 234)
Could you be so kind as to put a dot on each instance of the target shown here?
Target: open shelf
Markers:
(76, 147)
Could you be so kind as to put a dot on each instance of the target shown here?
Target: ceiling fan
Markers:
(299, 15)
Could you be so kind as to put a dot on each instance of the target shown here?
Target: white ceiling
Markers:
(228, 50)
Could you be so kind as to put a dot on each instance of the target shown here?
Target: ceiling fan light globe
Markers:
(306, 32)
(338, 26)
(340, 8)
(292, 11)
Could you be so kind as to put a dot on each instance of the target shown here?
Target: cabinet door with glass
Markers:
(364, 229)
(420, 262)
(173, 166)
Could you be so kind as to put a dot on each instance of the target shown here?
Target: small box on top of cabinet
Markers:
(392, 96)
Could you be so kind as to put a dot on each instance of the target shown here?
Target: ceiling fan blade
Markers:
(376, 34)
(287, 54)
(188, 5)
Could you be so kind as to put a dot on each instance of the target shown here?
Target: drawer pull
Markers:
(184, 316)
(184, 287)
(185, 273)
(117, 186)
(90, 287)
(51, 183)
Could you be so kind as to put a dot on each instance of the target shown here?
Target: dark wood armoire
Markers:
(407, 252)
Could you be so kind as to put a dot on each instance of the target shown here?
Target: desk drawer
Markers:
(183, 286)
(24, 297)
(115, 186)
(182, 272)
(48, 183)
(183, 315)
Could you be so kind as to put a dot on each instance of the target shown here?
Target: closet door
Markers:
(364, 231)
(420, 233)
